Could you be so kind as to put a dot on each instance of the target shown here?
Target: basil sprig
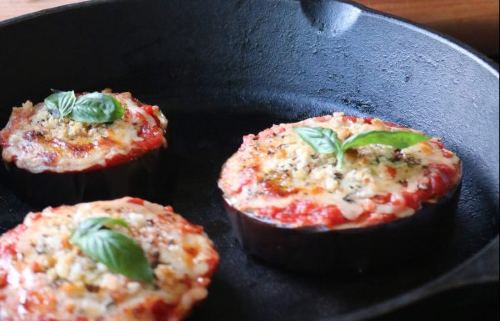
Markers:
(326, 141)
(62, 101)
(118, 252)
(93, 108)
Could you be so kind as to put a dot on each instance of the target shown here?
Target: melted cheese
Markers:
(280, 156)
(48, 278)
(36, 140)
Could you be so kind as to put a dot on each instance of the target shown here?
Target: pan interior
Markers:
(202, 141)
(204, 131)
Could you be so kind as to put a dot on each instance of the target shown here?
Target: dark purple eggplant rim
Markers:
(426, 289)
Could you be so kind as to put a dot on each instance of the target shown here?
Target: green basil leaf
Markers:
(97, 108)
(399, 139)
(94, 224)
(119, 253)
(61, 102)
(322, 140)
(325, 140)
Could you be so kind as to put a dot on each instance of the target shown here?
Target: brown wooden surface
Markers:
(472, 21)
(13, 8)
(475, 22)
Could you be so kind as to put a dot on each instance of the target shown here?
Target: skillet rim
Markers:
(411, 296)
(456, 44)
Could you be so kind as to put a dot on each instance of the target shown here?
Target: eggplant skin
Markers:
(134, 178)
(319, 251)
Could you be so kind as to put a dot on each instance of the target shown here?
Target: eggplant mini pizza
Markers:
(119, 260)
(83, 147)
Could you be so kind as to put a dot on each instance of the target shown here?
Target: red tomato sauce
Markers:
(3, 279)
(441, 180)
(135, 200)
(305, 213)
(8, 247)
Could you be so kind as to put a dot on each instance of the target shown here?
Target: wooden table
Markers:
(472, 21)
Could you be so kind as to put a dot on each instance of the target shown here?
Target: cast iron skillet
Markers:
(224, 68)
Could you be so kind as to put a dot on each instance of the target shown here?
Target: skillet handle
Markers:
(480, 269)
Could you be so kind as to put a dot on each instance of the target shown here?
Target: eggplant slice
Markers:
(294, 207)
(319, 251)
(135, 178)
(53, 160)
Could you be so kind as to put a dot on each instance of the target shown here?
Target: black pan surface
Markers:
(223, 69)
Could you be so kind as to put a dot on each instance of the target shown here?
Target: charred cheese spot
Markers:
(38, 141)
(299, 175)
(45, 277)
